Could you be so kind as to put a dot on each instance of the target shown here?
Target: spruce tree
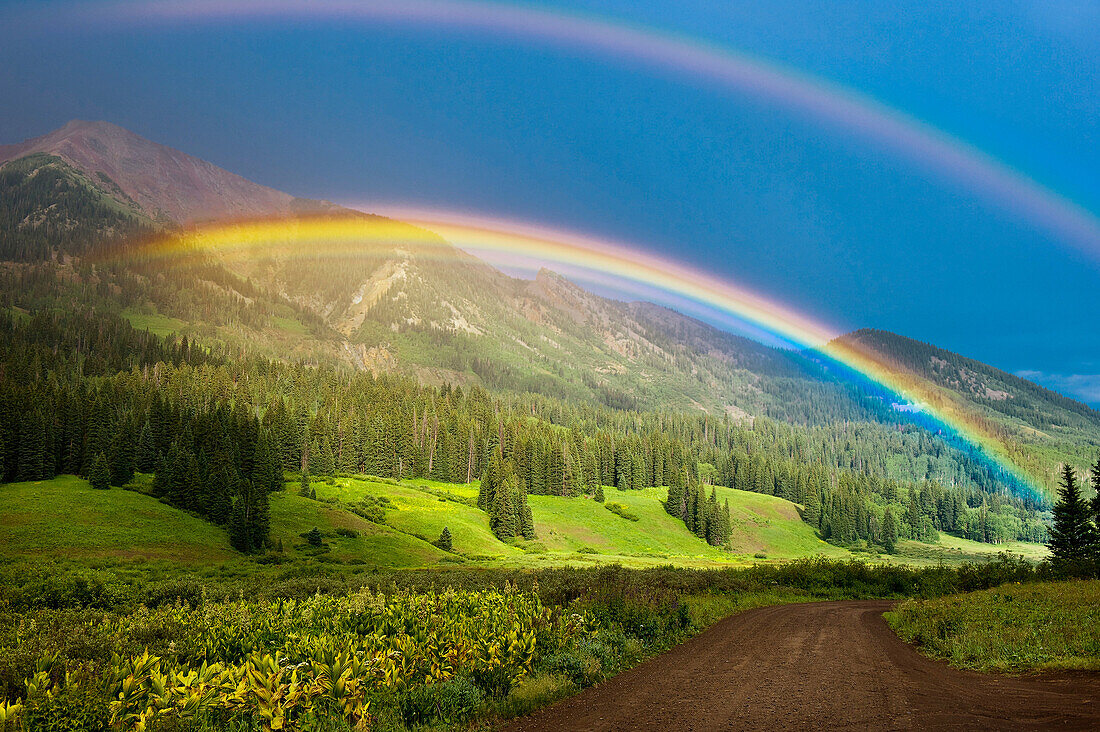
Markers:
(889, 531)
(599, 494)
(486, 494)
(146, 455)
(674, 505)
(1096, 499)
(526, 526)
(100, 474)
(444, 541)
(1073, 536)
(250, 519)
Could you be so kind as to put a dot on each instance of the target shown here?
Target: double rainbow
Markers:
(428, 234)
(695, 59)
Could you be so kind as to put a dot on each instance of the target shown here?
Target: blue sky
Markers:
(818, 219)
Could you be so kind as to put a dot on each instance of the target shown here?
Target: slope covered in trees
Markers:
(218, 433)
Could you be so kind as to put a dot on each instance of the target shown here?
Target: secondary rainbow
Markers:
(431, 234)
(694, 59)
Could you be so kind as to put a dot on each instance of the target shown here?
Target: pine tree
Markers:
(889, 531)
(122, 450)
(526, 525)
(599, 494)
(674, 505)
(250, 519)
(1096, 499)
(444, 541)
(486, 492)
(100, 474)
(146, 456)
(1072, 537)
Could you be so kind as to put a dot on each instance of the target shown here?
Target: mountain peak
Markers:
(167, 184)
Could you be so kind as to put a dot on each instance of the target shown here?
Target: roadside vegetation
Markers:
(131, 645)
(1015, 628)
(1024, 627)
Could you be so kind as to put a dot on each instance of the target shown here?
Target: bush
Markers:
(453, 702)
(347, 533)
(620, 510)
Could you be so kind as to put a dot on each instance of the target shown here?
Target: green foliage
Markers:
(47, 206)
(620, 510)
(1014, 628)
(313, 537)
(444, 540)
(100, 475)
(1074, 538)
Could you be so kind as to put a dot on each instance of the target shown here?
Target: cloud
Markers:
(1085, 387)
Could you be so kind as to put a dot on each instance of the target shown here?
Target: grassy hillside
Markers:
(582, 530)
(65, 517)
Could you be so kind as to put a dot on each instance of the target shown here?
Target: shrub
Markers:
(452, 702)
(620, 510)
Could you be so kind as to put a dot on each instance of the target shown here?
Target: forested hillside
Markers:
(218, 433)
(222, 375)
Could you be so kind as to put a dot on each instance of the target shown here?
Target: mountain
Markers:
(156, 181)
(456, 322)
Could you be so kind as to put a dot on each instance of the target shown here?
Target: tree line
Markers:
(215, 431)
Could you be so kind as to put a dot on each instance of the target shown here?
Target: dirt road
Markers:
(834, 665)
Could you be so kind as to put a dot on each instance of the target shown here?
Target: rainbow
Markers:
(855, 114)
(436, 235)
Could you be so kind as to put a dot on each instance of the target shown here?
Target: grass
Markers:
(952, 550)
(158, 325)
(376, 546)
(1013, 628)
(582, 531)
(65, 517)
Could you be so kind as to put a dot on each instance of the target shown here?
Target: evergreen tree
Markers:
(889, 531)
(145, 457)
(305, 489)
(249, 519)
(599, 493)
(1096, 498)
(122, 451)
(100, 474)
(444, 541)
(674, 504)
(526, 518)
(1073, 536)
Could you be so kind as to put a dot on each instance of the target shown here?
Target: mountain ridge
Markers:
(465, 322)
(168, 185)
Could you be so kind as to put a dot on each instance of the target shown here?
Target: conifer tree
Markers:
(1096, 498)
(122, 450)
(526, 526)
(674, 504)
(1073, 536)
(889, 531)
(249, 519)
(100, 474)
(444, 541)
(145, 458)
(599, 494)
(503, 519)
